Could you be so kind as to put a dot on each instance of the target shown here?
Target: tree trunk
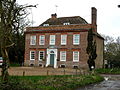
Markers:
(5, 65)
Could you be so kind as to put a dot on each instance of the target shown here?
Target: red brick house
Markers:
(62, 42)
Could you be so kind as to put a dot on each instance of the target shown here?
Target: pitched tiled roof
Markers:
(62, 20)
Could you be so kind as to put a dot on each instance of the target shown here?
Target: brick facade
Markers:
(69, 48)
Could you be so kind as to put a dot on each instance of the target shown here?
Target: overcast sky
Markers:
(108, 14)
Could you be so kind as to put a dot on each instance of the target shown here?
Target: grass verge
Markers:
(66, 82)
(108, 71)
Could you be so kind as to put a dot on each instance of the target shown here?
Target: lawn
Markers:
(58, 82)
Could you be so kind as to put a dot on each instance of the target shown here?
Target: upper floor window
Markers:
(32, 55)
(76, 39)
(41, 55)
(67, 23)
(33, 40)
(52, 39)
(42, 40)
(76, 56)
(62, 55)
(63, 39)
(45, 24)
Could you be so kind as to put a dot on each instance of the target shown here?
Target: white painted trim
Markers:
(74, 58)
(30, 55)
(74, 42)
(55, 57)
(45, 24)
(62, 38)
(31, 39)
(61, 56)
(40, 40)
(52, 37)
(43, 55)
(66, 23)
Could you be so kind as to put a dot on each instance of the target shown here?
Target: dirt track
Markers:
(29, 71)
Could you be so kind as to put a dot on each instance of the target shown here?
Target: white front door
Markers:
(51, 58)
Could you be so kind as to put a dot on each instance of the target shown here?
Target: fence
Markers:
(29, 71)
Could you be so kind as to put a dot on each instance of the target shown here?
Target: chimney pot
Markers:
(53, 16)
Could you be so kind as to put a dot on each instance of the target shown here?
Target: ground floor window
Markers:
(76, 56)
(32, 55)
(41, 55)
(62, 55)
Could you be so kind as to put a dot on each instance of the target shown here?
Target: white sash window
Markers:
(62, 55)
(76, 56)
(33, 40)
(42, 40)
(41, 55)
(76, 39)
(63, 39)
(52, 39)
(32, 55)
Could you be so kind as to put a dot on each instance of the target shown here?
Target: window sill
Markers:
(40, 60)
(32, 59)
(52, 44)
(75, 61)
(63, 44)
(63, 60)
(76, 44)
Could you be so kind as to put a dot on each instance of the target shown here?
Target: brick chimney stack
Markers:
(94, 18)
(54, 16)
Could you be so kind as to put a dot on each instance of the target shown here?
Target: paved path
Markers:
(111, 82)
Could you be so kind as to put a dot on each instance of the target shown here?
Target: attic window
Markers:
(45, 24)
(67, 23)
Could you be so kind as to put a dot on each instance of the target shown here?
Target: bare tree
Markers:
(10, 16)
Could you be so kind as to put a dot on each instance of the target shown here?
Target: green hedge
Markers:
(67, 82)
(14, 65)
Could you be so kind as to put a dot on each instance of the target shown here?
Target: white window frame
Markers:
(43, 55)
(63, 39)
(74, 57)
(42, 40)
(76, 42)
(52, 39)
(45, 24)
(62, 54)
(31, 55)
(33, 40)
(67, 23)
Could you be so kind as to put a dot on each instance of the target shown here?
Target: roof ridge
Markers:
(62, 20)
(69, 17)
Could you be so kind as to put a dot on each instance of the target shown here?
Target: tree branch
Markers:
(10, 45)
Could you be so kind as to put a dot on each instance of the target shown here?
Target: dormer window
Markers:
(45, 24)
(67, 23)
